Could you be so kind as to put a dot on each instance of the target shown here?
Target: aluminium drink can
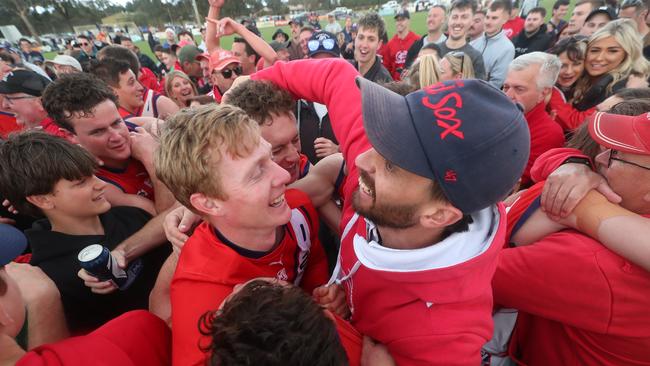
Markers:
(99, 262)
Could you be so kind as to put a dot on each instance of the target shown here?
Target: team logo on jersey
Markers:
(282, 275)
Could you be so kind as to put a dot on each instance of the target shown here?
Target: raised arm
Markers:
(228, 26)
(212, 42)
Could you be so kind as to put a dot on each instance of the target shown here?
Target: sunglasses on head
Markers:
(227, 73)
(314, 44)
(461, 55)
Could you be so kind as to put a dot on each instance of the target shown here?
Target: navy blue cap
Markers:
(323, 41)
(23, 81)
(402, 13)
(464, 134)
(12, 243)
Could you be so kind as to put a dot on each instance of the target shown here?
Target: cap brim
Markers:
(5, 88)
(388, 125)
(224, 63)
(12, 243)
(616, 132)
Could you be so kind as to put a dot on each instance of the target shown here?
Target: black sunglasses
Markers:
(227, 73)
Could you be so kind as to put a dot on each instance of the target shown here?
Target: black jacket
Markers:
(56, 254)
(311, 127)
(377, 72)
(540, 41)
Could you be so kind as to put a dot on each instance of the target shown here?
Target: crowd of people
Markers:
(477, 195)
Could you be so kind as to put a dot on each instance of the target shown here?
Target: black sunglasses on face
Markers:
(227, 73)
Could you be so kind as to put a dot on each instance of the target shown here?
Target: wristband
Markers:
(578, 160)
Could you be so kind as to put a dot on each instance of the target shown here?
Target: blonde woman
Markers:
(613, 61)
(424, 72)
(456, 65)
(180, 88)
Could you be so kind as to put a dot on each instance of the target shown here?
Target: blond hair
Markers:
(460, 63)
(169, 79)
(424, 72)
(625, 33)
(193, 144)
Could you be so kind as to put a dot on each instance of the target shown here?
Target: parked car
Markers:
(423, 5)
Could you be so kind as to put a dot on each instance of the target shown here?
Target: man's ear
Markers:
(206, 205)
(42, 201)
(440, 216)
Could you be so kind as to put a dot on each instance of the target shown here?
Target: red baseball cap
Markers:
(222, 58)
(623, 133)
(203, 56)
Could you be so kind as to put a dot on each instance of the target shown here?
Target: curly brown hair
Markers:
(266, 323)
(261, 100)
(77, 93)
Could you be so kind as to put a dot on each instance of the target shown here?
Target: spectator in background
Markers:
(117, 38)
(366, 45)
(461, 14)
(560, 8)
(188, 62)
(580, 12)
(169, 59)
(186, 36)
(28, 54)
(88, 50)
(306, 33)
(22, 91)
(313, 21)
(63, 64)
(280, 36)
(295, 48)
(455, 65)
(203, 45)
(478, 25)
(225, 67)
(332, 25)
(534, 36)
(247, 55)
(347, 29)
(170, 38)
(281, 50)
(145, 61)
(613, 61)
(436, 19)
(179, 88)
(161, 68)
(596, 20)
(397, 48)
(514, 23)
(638, 11)
(494, 45)
(529, 82)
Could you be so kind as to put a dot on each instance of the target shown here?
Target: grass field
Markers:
(418, 25)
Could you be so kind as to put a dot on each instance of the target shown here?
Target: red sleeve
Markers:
(557, 278)
(134, 338)
(330, 82)
(149, 80)
(190, 299)
(546, 163)
(567, 116)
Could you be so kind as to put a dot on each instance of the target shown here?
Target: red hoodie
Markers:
(136, 338)
(395, 54)
(428, 313)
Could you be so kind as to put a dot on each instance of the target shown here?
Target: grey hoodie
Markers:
(497, 53)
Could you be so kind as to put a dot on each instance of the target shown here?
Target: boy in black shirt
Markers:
(44, 175)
